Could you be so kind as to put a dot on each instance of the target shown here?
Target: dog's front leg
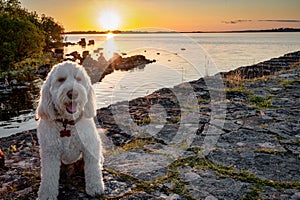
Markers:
(50, 163)
(93, 175)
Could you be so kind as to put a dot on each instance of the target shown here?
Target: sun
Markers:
(109, 20)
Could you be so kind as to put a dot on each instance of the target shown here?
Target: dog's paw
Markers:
(47, 197)
(94, 189)
(47, 193)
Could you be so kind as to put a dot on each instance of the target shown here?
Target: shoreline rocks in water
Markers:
(256, 154)
(265, 68)
(98, 69)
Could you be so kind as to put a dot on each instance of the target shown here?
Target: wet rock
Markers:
(102, 67)
(82, 42)
(74, 56)
(128, 63)
(91, 42)
(59, 53)
(84, 55)
(69, 44)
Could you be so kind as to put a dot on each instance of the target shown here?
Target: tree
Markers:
(24, 33)
(19, 39)
(53, 32)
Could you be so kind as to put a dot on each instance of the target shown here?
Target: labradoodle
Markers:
(66, 129)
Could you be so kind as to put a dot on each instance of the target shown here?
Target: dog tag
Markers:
(65, 133)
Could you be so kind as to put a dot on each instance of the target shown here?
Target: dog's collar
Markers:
(65, 123)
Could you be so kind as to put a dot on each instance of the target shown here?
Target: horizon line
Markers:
(229, 31)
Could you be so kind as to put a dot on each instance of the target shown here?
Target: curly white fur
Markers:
(67, 94)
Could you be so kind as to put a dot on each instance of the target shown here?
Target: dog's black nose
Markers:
(72, 94)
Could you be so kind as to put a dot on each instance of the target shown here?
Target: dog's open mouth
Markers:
(72, 107)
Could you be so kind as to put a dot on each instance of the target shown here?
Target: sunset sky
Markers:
(177, 15)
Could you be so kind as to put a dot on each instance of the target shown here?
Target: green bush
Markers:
(24, 34)
(20, 39)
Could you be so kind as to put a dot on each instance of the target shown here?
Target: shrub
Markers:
(24, 34)
(20, 39)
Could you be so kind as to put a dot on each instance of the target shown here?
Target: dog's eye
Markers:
(78, 79)
(61, 79)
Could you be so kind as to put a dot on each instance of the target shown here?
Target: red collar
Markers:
(65, 122)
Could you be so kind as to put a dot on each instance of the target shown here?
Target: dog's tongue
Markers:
(72, 108)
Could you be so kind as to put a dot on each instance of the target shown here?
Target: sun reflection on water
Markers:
(109, 46)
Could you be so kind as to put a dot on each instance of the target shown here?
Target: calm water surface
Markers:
(179, 58)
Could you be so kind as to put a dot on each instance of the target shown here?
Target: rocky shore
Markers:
(27, 91)
(240, 141)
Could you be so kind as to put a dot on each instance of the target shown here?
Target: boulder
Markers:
(91, 42)
(82, 42)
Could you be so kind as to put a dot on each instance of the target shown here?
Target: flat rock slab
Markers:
(250, 140)
(205, 184)
(272, 193)
(139, 164)
(114, 187)
(172, 153)
(268, 166)
(287, 129)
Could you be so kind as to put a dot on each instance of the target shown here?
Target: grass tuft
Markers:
(261, 102)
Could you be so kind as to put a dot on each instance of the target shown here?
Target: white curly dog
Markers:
(66, 129)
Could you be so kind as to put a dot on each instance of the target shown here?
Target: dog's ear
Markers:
(90, 106)
(45, 109)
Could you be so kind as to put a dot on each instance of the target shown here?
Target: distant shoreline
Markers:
(279, 30)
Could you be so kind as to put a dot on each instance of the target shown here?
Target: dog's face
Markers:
(67, 92)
